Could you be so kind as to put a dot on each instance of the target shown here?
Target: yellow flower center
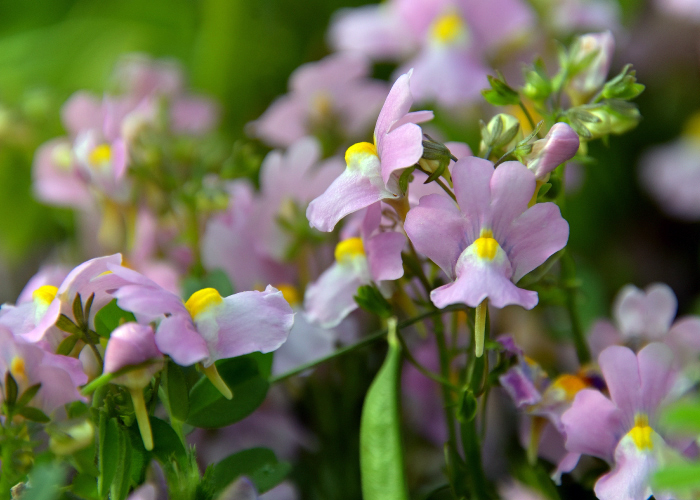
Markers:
(641, 433)
(202, 300)
(45, 293)
(100, 155)
(448, 28)
(570, 384)
(361, 148)
(322, 104)
(290, 293)
(691, 128)
(486, 245)
(17, 369)
(349, 249)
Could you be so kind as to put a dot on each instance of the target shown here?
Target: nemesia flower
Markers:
(373, 169)
(332, 92)
(491, 240)
(29, 365)
(34, 320)
(374, 256)
(232, 242)
(207, 327)
(643, 316)
(623, 430)
(132, 344)
(288, 182)
(670, 173)
(559, 145)
(449, 38)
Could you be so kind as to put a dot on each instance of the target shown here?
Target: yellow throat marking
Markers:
(641, 433)
(486, 245)
(448, 28)
(100, 154)
(18, 369)
(570, 384)
(290, 293)
(349, 249)
(361, 148)
(45, 293)
(202, 300)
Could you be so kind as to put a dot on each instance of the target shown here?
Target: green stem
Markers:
(527, 115)
(6, 454)
(369, 339)
(446, 393)
(423, 369)
(568, 278)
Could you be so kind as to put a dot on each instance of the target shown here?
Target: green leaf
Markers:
(175, 385)
(500, 94)
(78, 310)
(467, 406)
(381, 454)
(406, 177)
(66, 324)
(682, 417)
(677, 477)
(258, 464)
(88, 305)
(27, 395)
(45, 482)
(108, 453)
(110, 317)
(209, 409)
(119, 489)
(11, 389)
(67, 345)
(371, 300)
(166, 443)
(33, 414)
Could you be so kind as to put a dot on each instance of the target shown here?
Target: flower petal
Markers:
(331, 298)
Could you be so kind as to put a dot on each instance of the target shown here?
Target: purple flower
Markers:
(132, 344)
(671, 175)
(29, 365)
(34, 320)
(333, 90)
(559, 145)
(491, 240)
(372, 172)
(623, 430)
(288, 182)
(374, 256)
(207, 327)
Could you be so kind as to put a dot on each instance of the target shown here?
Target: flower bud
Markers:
(559, 146)
(501, 133)
(613, 117)
(129, 345)
(589, 61)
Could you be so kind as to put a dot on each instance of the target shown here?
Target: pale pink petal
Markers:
(621, 371)
(401, 148)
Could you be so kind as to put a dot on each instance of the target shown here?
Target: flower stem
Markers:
(480, 327)
(142, 417)
(569, 283)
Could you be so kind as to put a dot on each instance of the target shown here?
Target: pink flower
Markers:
(374, 256)
(333, 90)
(559, 145)
(29, 365)
(373, 169)
(491, 240)
(623, 430)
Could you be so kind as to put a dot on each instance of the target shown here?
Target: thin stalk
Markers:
(527, 115)
(446, 189)
(568, 278)
(423, 369)
(445, 372)
(371, 338)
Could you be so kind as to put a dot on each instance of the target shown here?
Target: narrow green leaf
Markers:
(11, 389)
(371, 300)
(67, 345)
(88, 306)
(33, 414)
(108, 453)
(66, 324)
(119, 489)
(78, 310)
(381, 454)
(166, 444)
(27, 395)
(260, 465)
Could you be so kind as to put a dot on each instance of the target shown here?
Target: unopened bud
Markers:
(500, 93)
(613, 117)
(501, 133)
(558, 146)
(589, 62)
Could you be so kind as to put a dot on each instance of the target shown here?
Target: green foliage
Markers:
(45, 482)
(110, 317)
(210, 409)
(381, 451)
(500, 93)
(371, 300)
(175, 388)
(258, 464)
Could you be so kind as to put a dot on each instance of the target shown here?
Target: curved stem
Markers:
(423, 369)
